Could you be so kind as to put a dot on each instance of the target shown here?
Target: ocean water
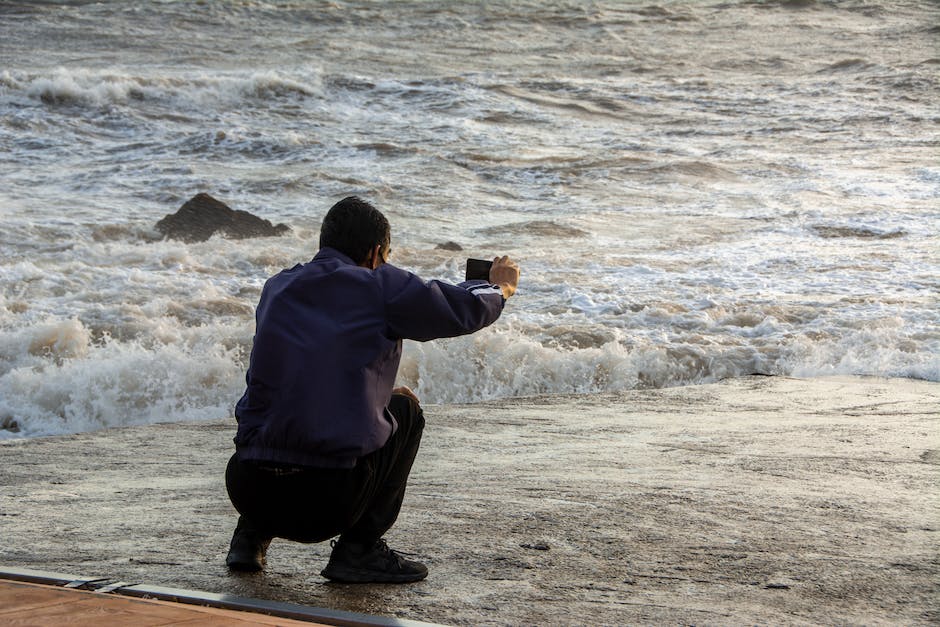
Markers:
(694, 190)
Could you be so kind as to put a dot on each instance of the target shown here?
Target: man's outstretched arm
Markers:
(424, 311)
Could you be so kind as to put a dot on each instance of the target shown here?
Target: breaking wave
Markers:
(55, 378)
(99, 88)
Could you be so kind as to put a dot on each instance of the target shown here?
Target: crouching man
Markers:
(325, 444)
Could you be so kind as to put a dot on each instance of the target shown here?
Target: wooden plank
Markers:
(263, 610)
(41, 606)
(22, 597)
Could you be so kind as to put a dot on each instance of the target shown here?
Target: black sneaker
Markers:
(247, 551)
(376, 563)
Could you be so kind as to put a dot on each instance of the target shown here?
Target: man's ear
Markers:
(375, 259)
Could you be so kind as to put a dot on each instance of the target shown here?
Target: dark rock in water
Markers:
(202, 216)
(449, 246)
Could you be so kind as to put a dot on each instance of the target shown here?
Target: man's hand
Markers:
(406, 391)
(505, 274)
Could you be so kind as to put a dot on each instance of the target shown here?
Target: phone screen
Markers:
(478, 269)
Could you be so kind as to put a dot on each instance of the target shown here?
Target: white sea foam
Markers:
(68, 385)
(55, 379)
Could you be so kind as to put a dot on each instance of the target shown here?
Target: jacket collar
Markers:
(331, 253)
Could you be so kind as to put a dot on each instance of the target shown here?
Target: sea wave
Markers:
(89, 87)
(58, 381)
(56, 377)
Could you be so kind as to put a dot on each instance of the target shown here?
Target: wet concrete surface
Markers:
(754, 500)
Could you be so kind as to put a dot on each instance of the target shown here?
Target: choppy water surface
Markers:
(695, 190)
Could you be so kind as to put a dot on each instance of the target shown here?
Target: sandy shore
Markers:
(756, 500)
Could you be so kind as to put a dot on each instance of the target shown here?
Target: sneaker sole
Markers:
(370, 576)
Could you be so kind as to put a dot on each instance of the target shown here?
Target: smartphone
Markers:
(478, 269)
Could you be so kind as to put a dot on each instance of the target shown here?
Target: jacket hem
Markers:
(293, 458)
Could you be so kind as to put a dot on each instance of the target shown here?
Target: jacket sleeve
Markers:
(421, 311)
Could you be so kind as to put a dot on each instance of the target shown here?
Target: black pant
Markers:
(314, 504)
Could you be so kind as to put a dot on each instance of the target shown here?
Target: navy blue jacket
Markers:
(326, 351)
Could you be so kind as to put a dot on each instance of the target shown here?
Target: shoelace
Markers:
(382, 546)
(385, 548)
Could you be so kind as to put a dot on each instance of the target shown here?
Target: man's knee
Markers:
(407, 412)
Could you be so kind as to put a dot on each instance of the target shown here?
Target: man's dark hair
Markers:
(354, 227)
